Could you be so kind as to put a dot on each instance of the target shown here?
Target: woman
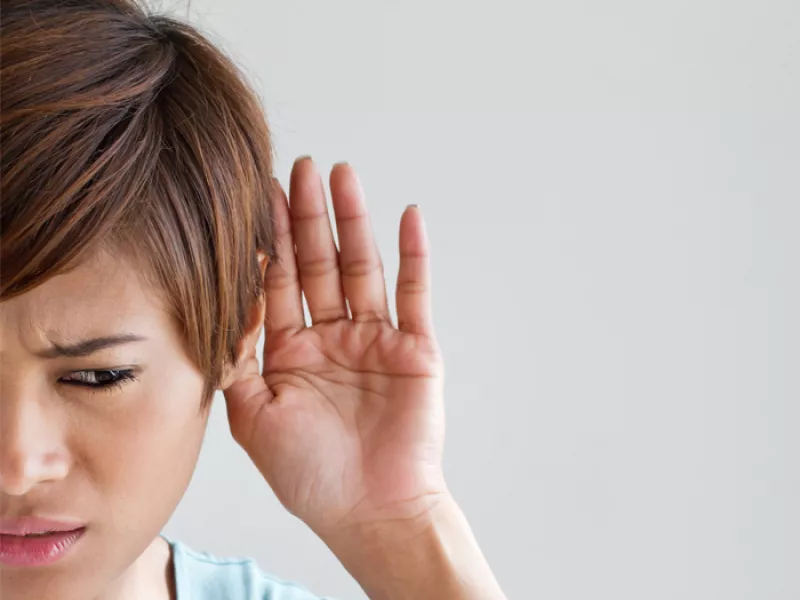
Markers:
(144, 246)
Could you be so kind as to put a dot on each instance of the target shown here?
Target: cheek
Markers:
(140, 448)
(133, 454)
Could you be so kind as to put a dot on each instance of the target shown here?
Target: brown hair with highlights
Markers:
(129, 132)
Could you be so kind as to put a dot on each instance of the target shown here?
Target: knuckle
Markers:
(281, 279)
(360, 268)
(369, 315)
(320, 266)
(322, 314)
(411, 287)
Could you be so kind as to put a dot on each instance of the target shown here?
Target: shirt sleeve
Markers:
(201, 576)
(268, 587)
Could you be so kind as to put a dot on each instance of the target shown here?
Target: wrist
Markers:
(431, 555)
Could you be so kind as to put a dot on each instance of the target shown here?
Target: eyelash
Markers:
(123, 376)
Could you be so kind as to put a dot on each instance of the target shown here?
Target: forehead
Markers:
(102, 295)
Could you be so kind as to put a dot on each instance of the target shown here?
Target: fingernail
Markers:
(302, 158)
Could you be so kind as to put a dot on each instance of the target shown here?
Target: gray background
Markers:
(612, 190)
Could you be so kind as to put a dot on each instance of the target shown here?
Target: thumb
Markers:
(245, 395)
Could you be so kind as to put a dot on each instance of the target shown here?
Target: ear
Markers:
(246, 348)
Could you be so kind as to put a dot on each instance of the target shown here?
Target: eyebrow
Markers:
(87, 347)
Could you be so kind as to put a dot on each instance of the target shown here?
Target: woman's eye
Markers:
(105, 379)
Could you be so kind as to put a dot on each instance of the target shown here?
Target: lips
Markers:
(32, 541)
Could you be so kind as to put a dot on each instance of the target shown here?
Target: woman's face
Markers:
(116, 460)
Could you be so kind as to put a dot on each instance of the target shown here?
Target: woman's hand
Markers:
(346, 421)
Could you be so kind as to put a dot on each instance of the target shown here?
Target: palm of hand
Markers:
(354, 427)
(346, 420)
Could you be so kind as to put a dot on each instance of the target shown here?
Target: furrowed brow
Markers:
(90, 346)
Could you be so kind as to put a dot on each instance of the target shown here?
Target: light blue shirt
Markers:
(201, 576)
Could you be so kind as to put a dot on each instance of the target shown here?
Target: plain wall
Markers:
(612, 191)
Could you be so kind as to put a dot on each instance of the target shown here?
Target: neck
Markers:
(151, 576)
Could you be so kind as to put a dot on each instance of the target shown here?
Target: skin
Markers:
(364, 395)
(96, 456)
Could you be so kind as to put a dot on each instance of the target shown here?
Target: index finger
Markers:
(284, 309)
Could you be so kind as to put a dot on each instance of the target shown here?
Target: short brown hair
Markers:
(129, 131)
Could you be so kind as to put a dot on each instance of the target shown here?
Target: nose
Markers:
(31, 449)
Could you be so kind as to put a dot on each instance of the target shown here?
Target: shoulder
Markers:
(203, 576)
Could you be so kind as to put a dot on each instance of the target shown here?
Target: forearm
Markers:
(432, 558)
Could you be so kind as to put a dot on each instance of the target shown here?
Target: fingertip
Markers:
(415, 213)
(343, 176)
(413, 234)
(342, 166)
(304, 170)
